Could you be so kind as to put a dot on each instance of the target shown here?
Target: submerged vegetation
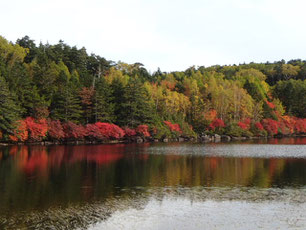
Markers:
(58, 92)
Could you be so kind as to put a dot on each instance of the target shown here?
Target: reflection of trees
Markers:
(283, 141)
(40, 176)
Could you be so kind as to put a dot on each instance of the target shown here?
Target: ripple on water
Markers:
(176, 208)
(183, 214)
(232, 150)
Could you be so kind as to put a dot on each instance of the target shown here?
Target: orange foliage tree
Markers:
(37, 128)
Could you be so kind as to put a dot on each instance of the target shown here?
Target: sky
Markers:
(170, 34)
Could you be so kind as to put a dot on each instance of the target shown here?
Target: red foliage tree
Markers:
(56, 131)
(300, 125)
(74, 131)
(173, 127)
(143, 130)
(259, 126)
(286, 124)
(217, 123)
(129, 132)
(271, 126)
(243, 125)
(37, 128)
(93, 132)
(110, 130)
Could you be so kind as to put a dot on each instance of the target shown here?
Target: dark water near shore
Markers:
(247, 185)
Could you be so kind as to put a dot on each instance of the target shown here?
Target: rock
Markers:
(113, 141)
(217, 140)
(165, 140)
(205, 138)
(239, 138)
(181, 139)
(48, 143)
(217, 137)
(226, 137)
(139, 140)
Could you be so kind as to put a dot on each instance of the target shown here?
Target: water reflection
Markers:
(38, 178)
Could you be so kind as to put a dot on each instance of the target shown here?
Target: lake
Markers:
(239, 185)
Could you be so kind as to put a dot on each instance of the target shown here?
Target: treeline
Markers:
(61, 92)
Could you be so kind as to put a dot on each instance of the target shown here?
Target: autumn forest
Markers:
(61, 93)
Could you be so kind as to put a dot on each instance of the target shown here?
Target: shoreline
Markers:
(215, 138)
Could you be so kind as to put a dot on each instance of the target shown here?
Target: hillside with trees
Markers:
(60, 93)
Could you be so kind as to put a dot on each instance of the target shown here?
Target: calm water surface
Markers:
(247, 185)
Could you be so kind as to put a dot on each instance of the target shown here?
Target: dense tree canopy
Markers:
(59, 87)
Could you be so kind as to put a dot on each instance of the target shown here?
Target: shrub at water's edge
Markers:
(31, 130)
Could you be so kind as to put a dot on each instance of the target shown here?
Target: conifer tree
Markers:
(9, 111)
(66, 104)
(103, 106)
(136, 108)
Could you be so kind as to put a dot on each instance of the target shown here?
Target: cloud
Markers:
(169, 34)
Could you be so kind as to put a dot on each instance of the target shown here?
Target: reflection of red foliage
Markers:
(35, 158)
(143, 156)
(103, 158)
(56, 155)
(13, 150)
(38, 160)
(56, 131)
(143, 130)
(213, 162)
(100, 154)
(173, 127)
(217, 123)
(300, 141)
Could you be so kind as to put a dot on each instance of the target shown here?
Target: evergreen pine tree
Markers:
(103, 106)
(9, 111)
(66, 104)
(135, 109)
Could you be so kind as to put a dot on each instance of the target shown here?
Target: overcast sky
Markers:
(170, 34)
